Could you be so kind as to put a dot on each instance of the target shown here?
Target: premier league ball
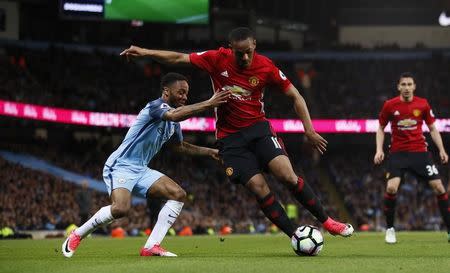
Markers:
(307, 241)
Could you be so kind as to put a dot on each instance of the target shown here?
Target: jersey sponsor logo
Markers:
(253, 81)
(229, 171)
(224, 73)
(407, 124)
(396, 113)
(237, 91)
(417, 112)
(282, 75)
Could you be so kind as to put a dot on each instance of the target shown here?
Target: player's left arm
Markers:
(191, 149)
(303, 113)
(437, 139)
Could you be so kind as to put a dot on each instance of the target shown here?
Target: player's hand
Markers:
(317, 141)
(214, 153)
(219, 98)
(133, 51)
(444, 157)
(378, 158)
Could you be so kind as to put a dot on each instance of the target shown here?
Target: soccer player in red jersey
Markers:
(408, 151)
(247, 143)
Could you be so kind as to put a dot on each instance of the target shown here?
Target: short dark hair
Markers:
(170, 78)
(406, 75)
(240, 34)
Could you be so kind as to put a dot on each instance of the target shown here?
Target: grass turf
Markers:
(364, 252)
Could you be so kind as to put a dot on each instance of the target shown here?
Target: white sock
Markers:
(166, 218)
(101, 217)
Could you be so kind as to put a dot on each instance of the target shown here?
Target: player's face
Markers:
(178, 92)
(243, 51)
(406, 86)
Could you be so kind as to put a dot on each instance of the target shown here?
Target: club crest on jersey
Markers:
(416, 112)
(253, 81)
(229, 171)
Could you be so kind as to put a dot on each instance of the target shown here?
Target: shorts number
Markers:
(431, 169)
(276, 143)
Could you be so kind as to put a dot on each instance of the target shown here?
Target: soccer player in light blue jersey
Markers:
(126, 172)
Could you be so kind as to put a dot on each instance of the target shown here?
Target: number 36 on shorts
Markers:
(432, 170)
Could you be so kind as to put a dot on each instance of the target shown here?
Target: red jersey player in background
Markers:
(408, 151)
(247, 143)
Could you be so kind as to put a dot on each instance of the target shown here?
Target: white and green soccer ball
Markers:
(307, 241)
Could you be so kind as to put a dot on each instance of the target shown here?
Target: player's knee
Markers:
(289, 178)
(119, 210)
(391, 189)
(178, 195)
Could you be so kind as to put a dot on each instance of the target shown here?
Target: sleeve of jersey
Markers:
(204, 60)
(279, 79)
(428, 115)
(179, 133)
(158, 111)
(384, 115)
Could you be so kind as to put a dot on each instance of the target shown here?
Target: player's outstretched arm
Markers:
(379, 154)
(161, 56)
(184, 112)
(437, 139)
(191, 149)
(302, 111)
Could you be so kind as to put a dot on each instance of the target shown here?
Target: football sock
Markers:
(305, 195)
(166, 218)
(444, 208)
(276, 214)
(101, 217)
(390, 201)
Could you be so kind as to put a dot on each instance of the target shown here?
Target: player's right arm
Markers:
(383, 119)
(161, 56)
(187, 111)
(379, 154)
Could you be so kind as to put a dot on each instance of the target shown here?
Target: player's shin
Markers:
(276, 214)
(445, 209)
(166, 218)
(101, 217)
(390, 201)
(305, 195)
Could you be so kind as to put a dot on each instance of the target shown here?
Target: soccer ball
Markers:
(307, 241)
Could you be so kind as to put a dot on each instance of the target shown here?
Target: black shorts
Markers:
(418, 163)
(247, 152)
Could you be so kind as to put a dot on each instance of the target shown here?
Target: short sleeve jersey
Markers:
(247, 85)
(406, 123)
(146, 136)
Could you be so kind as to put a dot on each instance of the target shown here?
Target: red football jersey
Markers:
(406, 123)
(245, 106)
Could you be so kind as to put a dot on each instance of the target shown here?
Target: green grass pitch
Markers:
(364, 252)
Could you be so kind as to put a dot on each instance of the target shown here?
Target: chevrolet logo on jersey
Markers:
(407, 124)
(237, 90)
(416, 112)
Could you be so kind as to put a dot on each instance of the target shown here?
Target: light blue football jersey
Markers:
(146, 136)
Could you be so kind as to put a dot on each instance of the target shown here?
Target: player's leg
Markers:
(281, 168)
(121, 202)
(423, 166)
(119, 183)
(271, 208)
(157, 185)
(442, 199)
(390, 201)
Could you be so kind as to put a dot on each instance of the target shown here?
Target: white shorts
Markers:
(136, 179)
